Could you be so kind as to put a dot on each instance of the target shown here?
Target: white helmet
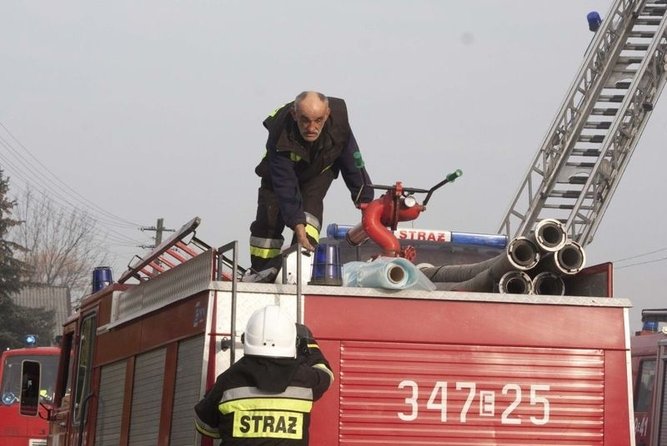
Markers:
(270, 332)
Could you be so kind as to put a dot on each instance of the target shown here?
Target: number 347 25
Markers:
(535, 396)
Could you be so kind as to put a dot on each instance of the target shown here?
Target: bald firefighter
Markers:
(266, 397)
(310, 142)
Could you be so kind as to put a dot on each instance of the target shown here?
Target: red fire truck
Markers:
(22, 423)
(649, 353)
(412, 366)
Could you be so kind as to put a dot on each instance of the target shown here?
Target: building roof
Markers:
(56, 298)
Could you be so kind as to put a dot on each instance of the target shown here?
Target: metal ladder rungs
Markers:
(575, 180)
(634, 46)
(593, 153)
(641, 34)
(652, 20)
(568, 194)
(568, 207)
(597, 125)
(654, 11)
(624, 85)
(604, 111)
(591, 138)
(584, 164)
(630, 60)
(630, 72)
(611, 98)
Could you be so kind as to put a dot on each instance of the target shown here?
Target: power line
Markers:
(58, 192)
(637, 256)
(641, 255)
(60, 184)
(53, 194)
(72, 211)
(661, 259)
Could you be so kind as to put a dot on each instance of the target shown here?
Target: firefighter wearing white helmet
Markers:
(266, 397)
(270, 332)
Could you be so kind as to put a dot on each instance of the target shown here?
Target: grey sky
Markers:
(154, 109)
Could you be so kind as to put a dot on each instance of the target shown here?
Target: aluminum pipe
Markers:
(548, 283)
(570, 259)
(515, 282)
(522, 254)
(549, 234)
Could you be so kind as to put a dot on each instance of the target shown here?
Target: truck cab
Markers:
(649, 353)
(25, 402)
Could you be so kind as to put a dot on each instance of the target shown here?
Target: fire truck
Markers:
(411, 366)
(447, 366)
(22, 423)
(649, 353)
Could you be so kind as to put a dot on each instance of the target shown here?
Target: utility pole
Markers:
(159, 229)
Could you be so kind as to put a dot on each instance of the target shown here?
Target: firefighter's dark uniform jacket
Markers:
(265, 401)
(289, 161)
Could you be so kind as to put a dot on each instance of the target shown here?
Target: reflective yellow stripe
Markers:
(265, 404)
(264, 253)
(312, 232)
(261, 242)
(312, 220)
(273, 113)
(294, 157)
(268, 424)
(325, 169)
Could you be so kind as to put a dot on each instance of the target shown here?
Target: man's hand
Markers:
(302, 238)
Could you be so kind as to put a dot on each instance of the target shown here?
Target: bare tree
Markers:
(62, 248)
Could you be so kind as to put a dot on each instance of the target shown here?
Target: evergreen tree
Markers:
(10, 268)
(16, 321)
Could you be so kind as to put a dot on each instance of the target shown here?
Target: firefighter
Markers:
(310, 142)
(266, 397)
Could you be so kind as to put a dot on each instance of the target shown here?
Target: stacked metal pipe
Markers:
(529, 265)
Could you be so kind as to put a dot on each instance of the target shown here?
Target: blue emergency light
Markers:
(594, 20)
(650, 325)
(30, 340)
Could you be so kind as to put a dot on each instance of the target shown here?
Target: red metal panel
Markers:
(455, 372)
(178, 321)
(463, 322)
(617, 401)
(429, 394)
(324, 422)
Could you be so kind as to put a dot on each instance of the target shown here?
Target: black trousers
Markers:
(266, 231)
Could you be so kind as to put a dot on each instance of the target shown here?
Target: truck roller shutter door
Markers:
(147, 398)
(186, 395)
(110, 404)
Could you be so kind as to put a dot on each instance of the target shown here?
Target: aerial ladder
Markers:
(585, 152)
